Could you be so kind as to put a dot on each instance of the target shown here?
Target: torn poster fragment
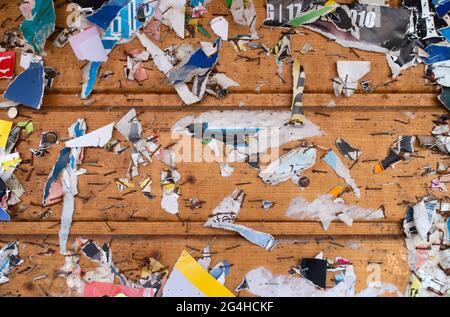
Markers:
(219, 25)
(170, 191)
(102, 289)
(327, 208)
(189, 279)
(244, 13)
(87, 45)
(225, 214)
(284, 13)
(164, 65)
(9, 259)
(289, 166)
(427, 228)
(53, 192)
(97, 138)
(263, 283)
(7, 64)
(173, 13)
(31, 80)
(298, 76)
(245, 134)
(119, 19)
(341, 170)
(349, 72)
(39, 22)
(69, 182)
(348, 151)
(403, 151)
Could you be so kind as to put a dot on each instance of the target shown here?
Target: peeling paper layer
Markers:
(270, 128)
(225, 214)
(326, 209)
(70, 184)
(244, 13)
(289, 165)
(341, 170)
(349, 72)
(162, 62)
(174, 15)
(263, 283)
(121, 22)
(97, 138)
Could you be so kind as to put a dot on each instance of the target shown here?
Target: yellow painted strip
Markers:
(201, 279)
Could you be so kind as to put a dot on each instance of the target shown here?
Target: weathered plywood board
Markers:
(129, 253)
(140, 228)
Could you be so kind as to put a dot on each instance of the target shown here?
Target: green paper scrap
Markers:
(229, 3)
(311, 16)
(28, 126)
(41, 26)
(202, 30)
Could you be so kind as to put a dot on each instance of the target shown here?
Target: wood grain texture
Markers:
(141, 228)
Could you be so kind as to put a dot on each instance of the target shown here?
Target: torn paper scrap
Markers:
(30, 80)
(282, 52)
(5, 130)
(173, 12)
(315, 270)
(39, 23)
(52, 189)
(189, 279)
(341, 170)
(348, 151)
(121, 20)
(261, 282)
(401, 151)
(101, 289)
(327, 208)
(349, 72)
(8, 164)
(7, 64)
(69, 182)
(97, 138)
(170, 191)
(225, 214)
(197, 64)
(164, 65)
(226, 170)
(87, 45)
(285, 13)
(289, 165)
(244, 14)
(219, 25)
(9, 259)
(298, 76)
(268, 129)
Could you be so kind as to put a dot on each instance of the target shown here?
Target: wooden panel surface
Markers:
(139, 227)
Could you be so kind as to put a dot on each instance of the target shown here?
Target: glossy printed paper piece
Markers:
(189, 279)
(39, 23)
(225, 214)
(298, 77)
(120, 29)
(87, 45)
(101, 289)
(31, 80)
(69, 182)
(341, 170)
(97, 138)
(7, 64)
(289, 166)
(266, 129)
